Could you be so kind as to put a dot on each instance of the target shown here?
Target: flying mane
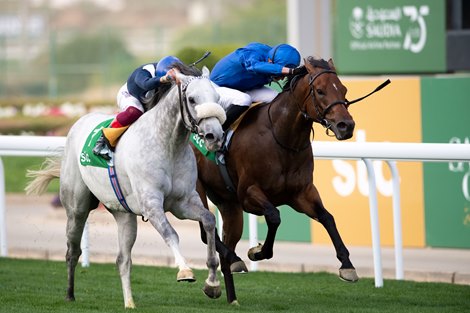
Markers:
(302, 71)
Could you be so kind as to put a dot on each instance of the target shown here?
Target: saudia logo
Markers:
(389, 29)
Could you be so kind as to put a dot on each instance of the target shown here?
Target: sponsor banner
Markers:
(380, 36)
(446, 112)
(394, 115)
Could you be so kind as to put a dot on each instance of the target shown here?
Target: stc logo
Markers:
(352, 175)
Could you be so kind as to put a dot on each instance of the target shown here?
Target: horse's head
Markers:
(203, 113)
(326, 101)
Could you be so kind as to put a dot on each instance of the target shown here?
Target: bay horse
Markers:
(157, 174)
(270, 163)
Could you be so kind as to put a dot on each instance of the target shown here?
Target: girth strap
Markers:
(117, 188)
(220, 161)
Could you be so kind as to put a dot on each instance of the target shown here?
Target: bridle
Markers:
(321, 114)
(192, 124)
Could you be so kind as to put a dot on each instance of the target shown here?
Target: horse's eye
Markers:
(320, 92)
(191, 100)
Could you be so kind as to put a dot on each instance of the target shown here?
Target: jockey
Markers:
(241, 75)
(139, 86)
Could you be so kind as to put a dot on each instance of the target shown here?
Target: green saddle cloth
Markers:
(87, 157)
(198, 142)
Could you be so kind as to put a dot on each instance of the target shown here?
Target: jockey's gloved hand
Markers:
(295, 71)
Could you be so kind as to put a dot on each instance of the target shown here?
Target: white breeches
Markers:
(229, 96)
(125, 100)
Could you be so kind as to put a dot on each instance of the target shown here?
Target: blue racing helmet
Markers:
(164, 65)
(285, 55)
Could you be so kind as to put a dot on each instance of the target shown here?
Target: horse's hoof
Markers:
(238, 267)
(235, 303)
(186, 275)
(212, 291)
(253, 251)
(348, 274)
(129, 304)
(70, 298)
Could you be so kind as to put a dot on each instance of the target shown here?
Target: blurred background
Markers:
(85, 49)
(62, 58)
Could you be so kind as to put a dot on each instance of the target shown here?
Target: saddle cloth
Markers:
(87, 157)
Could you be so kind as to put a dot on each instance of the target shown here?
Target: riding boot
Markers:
(233, 113)
(102, 149)
(105, 145)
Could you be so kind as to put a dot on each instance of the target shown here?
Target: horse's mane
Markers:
(163, 89)
(302, 71)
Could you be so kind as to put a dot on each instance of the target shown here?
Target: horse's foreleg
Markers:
(347, 270)
(232, 232)
(127, 233)
(255, 201)
(310, 203)
(153, 211)
(228, 255)
(207, 219)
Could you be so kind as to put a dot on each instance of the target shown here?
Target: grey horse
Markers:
(157, 173)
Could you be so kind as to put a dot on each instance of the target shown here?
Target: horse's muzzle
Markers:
(212, 142)
(344, 129)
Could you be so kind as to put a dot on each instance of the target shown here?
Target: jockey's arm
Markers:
(144, 80)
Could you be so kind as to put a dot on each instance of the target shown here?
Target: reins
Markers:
(192, 124)
(296, 150)
(321, 116)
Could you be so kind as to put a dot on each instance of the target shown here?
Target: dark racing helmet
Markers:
(284, 55)
(164, 65)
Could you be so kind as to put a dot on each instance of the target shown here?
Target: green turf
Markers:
(39, 286)
(15, 173)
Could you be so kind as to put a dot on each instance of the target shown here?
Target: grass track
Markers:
(39, 286)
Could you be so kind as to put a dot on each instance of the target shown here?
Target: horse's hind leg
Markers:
(127, 233)
(77, 213)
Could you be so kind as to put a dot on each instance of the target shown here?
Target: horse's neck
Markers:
(288, 121)
(164, 122)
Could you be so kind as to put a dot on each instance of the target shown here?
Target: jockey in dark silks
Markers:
(139, 86)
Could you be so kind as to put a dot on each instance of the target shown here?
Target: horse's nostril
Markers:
(342, 126)
(209, 137)
(345, 126)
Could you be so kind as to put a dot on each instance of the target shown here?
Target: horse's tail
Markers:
(50, 170)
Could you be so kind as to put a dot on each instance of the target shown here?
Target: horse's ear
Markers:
(308, 65)
(205, 71)
(181, 77)
(331, 64)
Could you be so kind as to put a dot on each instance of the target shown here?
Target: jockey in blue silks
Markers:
(241, 76)
(139, 86)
